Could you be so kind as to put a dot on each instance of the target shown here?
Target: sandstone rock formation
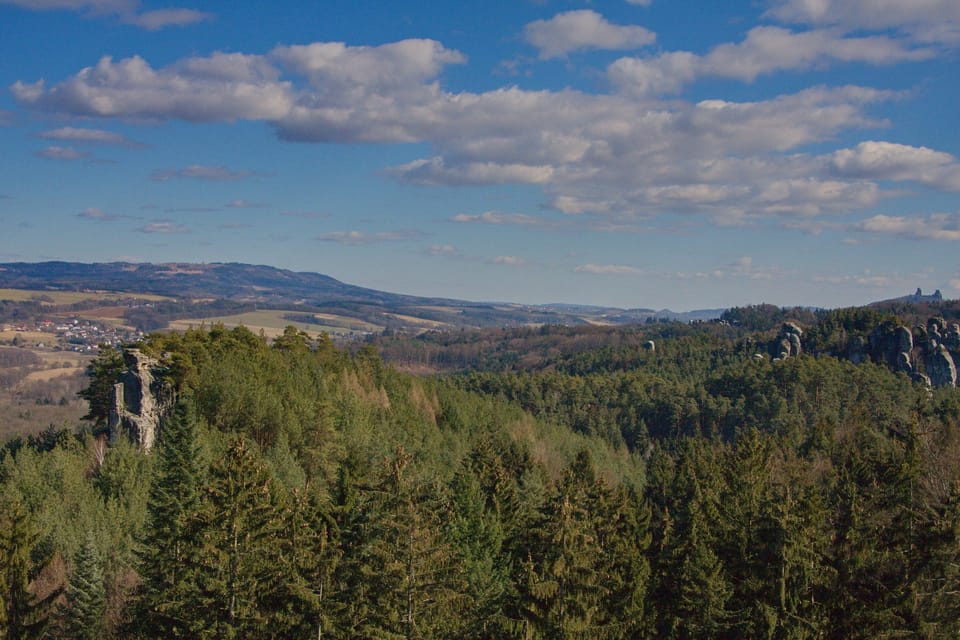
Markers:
(788, 342)
(141, 399)
(941, 368)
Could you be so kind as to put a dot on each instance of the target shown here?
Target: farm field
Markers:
(71, 297)
(272, 323)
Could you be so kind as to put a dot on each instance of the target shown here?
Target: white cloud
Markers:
(61, 153)
(93, 6)
(435, 172)
(611, 158)
(162, 18)
(938, 226)
(878, 160)
(766, 49)
(441, 250)
(583, 29)
(245, 204)
(94, 213)
(163, 227)
(640, 3)
(222, 87)
(498, 218)
(610, 269)
(88, 136)
(360, 238)
(923, 20)
(126, 10)
(201, 172)
(509, 261)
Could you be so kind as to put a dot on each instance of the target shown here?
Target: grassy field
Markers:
(272, 323)
(70, 297)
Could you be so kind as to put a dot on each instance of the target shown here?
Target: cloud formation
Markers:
(610, 269)
(938, 226)
(88, 136)
(581, 30)
(362, 238)
(61, 153)
(612, 158)
(95, 213)
(163, 227)
(767, 49)
(201, 172)
(128, 11)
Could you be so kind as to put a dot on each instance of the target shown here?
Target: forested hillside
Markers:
(644, 482)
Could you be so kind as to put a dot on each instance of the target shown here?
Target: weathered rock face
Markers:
(788, 342)
(892, 346)
(941, 368)
(141, 400)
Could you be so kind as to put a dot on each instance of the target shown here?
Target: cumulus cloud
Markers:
(361, 238)
(611, 158)
(765, 50)
(582, 29)
(201, 172)
(61, 153)
(163, 227)
(88, 136)
(609, 269)
(938, 226)
(924, 20)
(878, 160)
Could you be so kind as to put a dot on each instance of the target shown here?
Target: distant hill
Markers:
(270, 287)
(917, 298)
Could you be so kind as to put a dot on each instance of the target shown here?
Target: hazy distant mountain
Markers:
(270, 287)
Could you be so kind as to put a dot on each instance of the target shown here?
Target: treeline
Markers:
(690, 491)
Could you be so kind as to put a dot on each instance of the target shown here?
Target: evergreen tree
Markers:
(399, 578)
(235, 566)
(86, 594)
(164, 549)
(22, 614)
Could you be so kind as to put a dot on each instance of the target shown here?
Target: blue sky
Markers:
(642, 153)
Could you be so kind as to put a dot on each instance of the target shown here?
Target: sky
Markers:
(631, 153)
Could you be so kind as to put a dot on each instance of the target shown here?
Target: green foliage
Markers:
(86, 594)
(582, 486)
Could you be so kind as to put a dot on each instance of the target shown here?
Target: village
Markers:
(75, 334)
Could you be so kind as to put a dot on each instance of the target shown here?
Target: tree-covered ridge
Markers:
(614, 490)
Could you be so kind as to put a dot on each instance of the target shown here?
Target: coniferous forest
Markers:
(657, 481)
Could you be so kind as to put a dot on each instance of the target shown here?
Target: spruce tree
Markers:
(86, 594)
(165, 545)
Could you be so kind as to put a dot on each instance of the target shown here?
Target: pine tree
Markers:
(22, 614)
(164, 549)
(86, 594)
(584, 575)
(235, 566)
(399, 578)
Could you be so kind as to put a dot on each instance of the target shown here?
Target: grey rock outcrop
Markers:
(941, 368)
(892, 346)
(141, 399)
(788, 342)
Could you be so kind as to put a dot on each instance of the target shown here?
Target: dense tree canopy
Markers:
(594, 488)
